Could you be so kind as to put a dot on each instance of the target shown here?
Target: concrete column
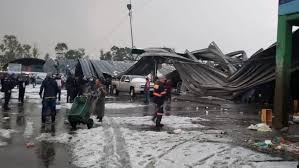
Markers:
(283, 63)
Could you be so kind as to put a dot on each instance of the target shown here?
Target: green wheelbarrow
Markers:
(80, 112)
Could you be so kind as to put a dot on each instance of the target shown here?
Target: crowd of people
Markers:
(50, 92)
(10, 81)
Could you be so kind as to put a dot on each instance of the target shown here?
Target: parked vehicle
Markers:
(39, 76)
(133, 84)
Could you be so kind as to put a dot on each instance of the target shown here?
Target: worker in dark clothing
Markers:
(71, 88)
(159, 96)
(108, 83)
(50, 89)
(147, 91)
(8, 84)
(80, 85)
(68, 88)
(33, 81)
(22, 86)
(90, 85)
(77, 86)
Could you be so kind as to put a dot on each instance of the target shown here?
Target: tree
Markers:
(60, 49)
(35, 52)
(129, 56)
(20, 51)
(105, 56)
(108, 56)
(75, 54)
(10, 48)
(102, 54)
(120, 54)
(26, 50)
(2, 47)
(117, 54)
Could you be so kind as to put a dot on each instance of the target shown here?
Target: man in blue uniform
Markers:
(50, 88)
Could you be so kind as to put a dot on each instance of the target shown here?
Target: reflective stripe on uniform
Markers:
(50, 97)
(160, 114)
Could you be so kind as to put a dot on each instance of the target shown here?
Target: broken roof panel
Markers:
(209, 72)
(96, 68)
(87, 68)
(152, 57)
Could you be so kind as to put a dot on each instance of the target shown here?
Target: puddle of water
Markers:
(16, 152)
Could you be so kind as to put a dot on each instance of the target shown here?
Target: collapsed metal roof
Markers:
(205, 72)
(87, 67)
(100, 68)
(209, 72)
(206, 80)
(151, 57)
(95, 68)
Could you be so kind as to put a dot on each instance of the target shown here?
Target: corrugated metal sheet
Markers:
(153, 56)
(87, 68)
(209, 72)
(96, 68)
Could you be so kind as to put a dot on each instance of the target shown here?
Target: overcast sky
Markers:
(181, 24)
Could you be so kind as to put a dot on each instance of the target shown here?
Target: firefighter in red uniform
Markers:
(159, 96)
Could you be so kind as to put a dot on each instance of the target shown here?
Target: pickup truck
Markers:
(132, 84)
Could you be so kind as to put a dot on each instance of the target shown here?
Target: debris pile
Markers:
(278, 144)
(262, 127)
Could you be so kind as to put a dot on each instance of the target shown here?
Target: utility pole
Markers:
(129, 6)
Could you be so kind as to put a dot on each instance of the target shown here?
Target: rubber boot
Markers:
(158, 121)
(154, 117)
(53, 118)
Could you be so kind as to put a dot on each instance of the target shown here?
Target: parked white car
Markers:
(133, 84)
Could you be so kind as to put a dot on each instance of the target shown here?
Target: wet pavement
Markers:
(235, 118)
(20, 149)
(122, 139)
